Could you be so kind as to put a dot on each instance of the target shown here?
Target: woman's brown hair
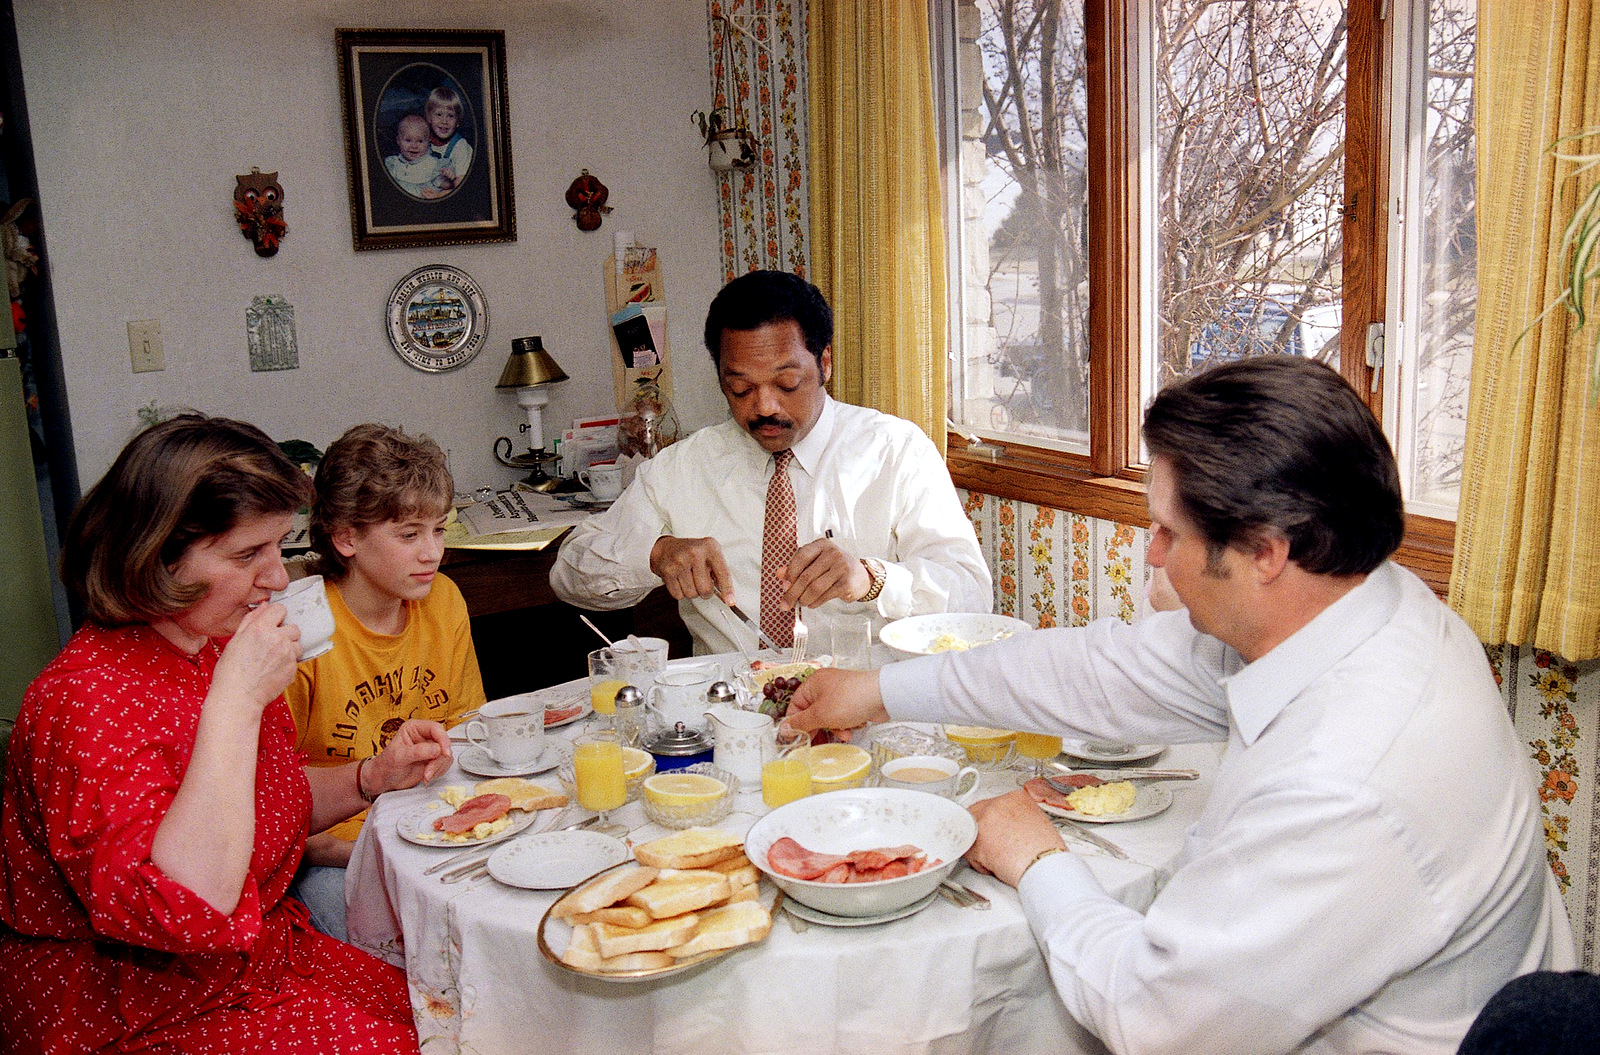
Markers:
(188, 478)
(370, 475)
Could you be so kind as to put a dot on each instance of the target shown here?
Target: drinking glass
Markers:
(597, 772)
(606, 676)
(850, 642)
(787, 776)
(1039, 747)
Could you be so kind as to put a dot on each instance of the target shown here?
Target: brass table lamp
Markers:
(530, 371)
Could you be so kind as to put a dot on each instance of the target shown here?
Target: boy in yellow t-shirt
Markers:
(402, 646)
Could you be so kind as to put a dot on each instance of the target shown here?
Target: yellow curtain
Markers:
(1527, 556)
(877, 233)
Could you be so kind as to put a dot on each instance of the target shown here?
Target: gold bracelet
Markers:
(1040, 856)
(373, 798)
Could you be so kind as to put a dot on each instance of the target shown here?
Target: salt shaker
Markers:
(631, 718)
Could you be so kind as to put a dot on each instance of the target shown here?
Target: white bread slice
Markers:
(606, 890)
(583, 951)
(732, 864)
(662, 934)
(740, 923)
(746, 876)
(621, 915)
(689, 848)
(637, 961)
(744, 893)
(524, 794)
(684, 892)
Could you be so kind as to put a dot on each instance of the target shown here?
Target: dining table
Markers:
(946, 979)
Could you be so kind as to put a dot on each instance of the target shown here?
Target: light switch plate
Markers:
(144, 346)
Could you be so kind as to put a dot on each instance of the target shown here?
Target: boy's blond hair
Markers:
(444, 96)
(370, 475)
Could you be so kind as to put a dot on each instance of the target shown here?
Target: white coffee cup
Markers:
(509, 731)
(603, 481)
(679, 694)
(307, 602)
(930, 773)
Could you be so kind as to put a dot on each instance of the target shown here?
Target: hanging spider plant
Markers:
(1581, 245)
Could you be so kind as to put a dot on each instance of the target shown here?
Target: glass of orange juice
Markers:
(1039, 747)
(606, 676)
(597, 772)
(787, 776)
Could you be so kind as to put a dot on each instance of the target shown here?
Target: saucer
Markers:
(475, 760)
(1081, 749)
(828, 919)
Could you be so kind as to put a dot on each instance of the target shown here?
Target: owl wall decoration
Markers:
(258, 208)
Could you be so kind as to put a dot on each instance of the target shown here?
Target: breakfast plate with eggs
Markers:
(1113, 802)
(492, 811)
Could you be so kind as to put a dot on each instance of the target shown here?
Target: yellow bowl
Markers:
(984, 746)
(837, 766)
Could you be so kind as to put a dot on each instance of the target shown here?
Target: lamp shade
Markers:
(529, 365)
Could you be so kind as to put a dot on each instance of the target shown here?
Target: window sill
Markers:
(1041, 477)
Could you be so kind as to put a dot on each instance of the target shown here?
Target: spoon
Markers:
(598, 632)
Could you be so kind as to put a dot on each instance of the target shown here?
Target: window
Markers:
(1140, 189)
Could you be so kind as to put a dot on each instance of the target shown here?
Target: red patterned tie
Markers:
(777, 549)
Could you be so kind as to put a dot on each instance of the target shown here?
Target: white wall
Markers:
(143, 111)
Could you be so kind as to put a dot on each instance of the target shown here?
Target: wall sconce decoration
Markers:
(258, 209)
(530, 371)
(588, 196)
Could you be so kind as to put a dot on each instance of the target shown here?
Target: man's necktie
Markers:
(777, 549)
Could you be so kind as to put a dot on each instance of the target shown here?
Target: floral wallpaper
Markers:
(758, 72)
(1053, 568)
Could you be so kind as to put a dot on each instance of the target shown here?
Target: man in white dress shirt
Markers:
(1370, 866)
(880, 530)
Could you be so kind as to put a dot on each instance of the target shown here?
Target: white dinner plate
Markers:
(416, 826)
(1149, 800)
(555, 860)
(1081, 749)
(585, 708)
(475, 760)
(828, 919)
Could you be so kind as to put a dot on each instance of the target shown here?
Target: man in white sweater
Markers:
(1369, 868)
(876, 531)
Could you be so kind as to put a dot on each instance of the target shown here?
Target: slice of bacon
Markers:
(1040, 791)
(875, 860)
(552, 717)
(473, 812)
(787, 857)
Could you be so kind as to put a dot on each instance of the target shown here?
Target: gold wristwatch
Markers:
(875, 569)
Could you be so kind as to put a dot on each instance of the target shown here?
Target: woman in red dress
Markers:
(154, 807)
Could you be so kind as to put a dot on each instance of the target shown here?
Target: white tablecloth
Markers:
(944, 980)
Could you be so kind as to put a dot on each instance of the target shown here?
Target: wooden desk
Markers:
(528, 638)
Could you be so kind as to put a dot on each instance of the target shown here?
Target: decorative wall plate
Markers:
(437, 318)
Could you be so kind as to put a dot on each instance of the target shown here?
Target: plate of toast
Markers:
(683, 900)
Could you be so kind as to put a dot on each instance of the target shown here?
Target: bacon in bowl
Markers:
(875, 823)
(789, 858)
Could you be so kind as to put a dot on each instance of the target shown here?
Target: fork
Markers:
(801, 635)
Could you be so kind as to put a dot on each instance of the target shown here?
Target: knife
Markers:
(761, 636)
(1091, 838)
(1109, 775)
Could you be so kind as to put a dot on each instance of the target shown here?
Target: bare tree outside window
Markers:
(1249, 150)
(1434, 417)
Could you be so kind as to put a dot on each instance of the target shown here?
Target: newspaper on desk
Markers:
(517, 511)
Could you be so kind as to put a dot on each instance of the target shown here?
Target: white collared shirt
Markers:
(1369, 868)
(876, 481)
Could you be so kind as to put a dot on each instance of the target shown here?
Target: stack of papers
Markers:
(512, 520)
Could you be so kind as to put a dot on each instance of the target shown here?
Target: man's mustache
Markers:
(763, 422)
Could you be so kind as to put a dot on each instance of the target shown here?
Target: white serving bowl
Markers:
(865, 819)
(916, 635)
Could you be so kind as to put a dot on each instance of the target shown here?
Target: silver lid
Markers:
(721, 692)
(629, 695)
(678, 741)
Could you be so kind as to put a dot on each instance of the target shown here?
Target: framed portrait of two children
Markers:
(427, 139)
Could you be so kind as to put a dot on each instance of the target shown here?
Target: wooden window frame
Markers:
(1109, 484)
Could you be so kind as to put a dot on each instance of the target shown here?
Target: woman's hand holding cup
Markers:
(259, 660)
